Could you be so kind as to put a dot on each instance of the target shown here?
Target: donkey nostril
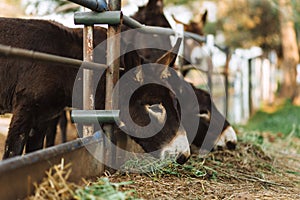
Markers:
(181, 159)
(231, 145)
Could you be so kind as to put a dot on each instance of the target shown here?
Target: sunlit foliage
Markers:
(249, 22)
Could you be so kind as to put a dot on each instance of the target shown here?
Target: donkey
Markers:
(37, 92)
(212, 124)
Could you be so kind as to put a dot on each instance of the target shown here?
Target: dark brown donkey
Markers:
(37, 92)
(212, 124)
(213, 129)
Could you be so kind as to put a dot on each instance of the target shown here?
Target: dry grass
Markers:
(55, 185)
(262, 167)
(247, 173)
(268, 170)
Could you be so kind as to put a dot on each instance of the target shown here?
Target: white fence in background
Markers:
(252, 81)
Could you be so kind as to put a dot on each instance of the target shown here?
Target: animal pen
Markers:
(25, 170)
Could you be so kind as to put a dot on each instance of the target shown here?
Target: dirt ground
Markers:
(250, 172)
(247, 173)
(269, 170)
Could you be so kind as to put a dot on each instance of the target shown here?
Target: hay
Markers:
(55, 185)
(257, 169)
(249, 172)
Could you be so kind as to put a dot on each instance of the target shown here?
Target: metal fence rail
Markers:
(28, 54)
(95, 116)
(91, 18)
(159, 30)
(95, 5)
(113, 18)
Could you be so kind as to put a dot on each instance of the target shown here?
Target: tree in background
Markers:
(269, 24)
(289, 49)
(246, 23)
(296, 8)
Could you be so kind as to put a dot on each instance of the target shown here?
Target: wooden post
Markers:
(88, 96)
(250, 87)
(210, 44)
(112, 75)
(226, 75)
(243, 87)
(209, 74)
(179, 34)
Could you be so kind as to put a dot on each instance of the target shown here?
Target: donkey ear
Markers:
(200, 18)
(204, 18)
(179, 22)
(170, 57)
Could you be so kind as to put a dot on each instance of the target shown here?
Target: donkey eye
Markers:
(139, 102)
(204, 111)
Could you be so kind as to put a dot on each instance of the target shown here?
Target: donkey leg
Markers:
(51, 132)
(37, 135)
(35, 141)
(18, 133)
(63, 123)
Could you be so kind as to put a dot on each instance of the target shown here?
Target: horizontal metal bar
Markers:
(13, 163)
(91, 18)
(114, 17)
(158, 30)
(94, 116)
(164, 31)
(9, 51)
(95, 5)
